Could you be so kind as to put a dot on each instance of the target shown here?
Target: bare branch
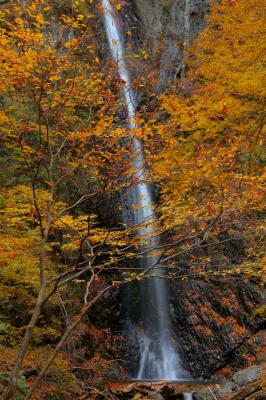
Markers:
(74, 205)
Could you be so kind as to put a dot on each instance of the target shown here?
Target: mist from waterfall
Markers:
(158, 359)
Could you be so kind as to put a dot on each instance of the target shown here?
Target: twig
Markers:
(213, 395)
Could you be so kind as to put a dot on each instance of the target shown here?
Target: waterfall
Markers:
(188, 396)
(158, 356)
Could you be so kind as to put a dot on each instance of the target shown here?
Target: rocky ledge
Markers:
(249, 384)
(216, 325)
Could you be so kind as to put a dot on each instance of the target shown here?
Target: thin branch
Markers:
(83, 198)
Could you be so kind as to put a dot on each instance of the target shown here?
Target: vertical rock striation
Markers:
(163, 27)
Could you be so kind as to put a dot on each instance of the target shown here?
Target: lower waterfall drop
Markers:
(158, 358)
(188, 396)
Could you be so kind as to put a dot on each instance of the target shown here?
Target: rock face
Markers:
(161, 24)
(212, 321)
(212, 318)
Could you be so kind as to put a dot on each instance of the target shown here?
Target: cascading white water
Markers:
(158, 356)
(188, 396)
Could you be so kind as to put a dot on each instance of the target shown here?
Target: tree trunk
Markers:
(55, 352)
(254, 391)
(10, 389)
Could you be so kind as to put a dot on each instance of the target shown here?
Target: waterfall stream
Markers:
(188, 396)
(158, 359)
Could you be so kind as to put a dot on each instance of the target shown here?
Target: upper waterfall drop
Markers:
(158, 358)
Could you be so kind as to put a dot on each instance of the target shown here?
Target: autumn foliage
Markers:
(209, 160)
(62, 156)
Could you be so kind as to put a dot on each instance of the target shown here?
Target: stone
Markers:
(226, 387)
(260, 339)
(149, 395)
(203, 394)
(138, 396)
(247, 375)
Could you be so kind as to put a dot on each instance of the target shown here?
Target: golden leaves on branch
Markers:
(210, 154)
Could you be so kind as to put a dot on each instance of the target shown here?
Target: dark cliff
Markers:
(212, 318)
